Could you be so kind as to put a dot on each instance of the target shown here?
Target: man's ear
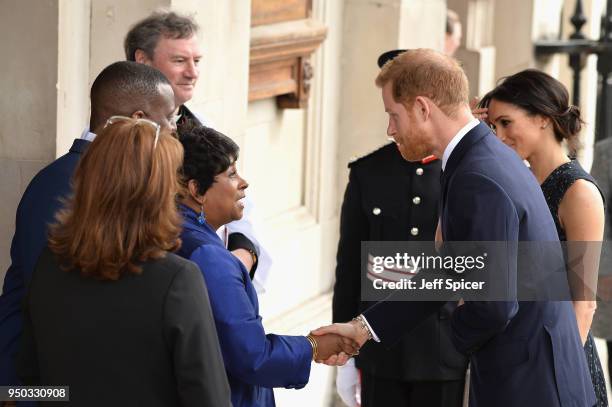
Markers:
(421, 108)
(141, 57)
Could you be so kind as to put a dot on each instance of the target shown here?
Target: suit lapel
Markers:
(186, 116)
(471, 138)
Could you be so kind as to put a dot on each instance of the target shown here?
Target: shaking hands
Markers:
(337, 343)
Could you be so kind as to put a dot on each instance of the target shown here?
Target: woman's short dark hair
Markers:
(145, 34)
(208, 153)
(539, 93)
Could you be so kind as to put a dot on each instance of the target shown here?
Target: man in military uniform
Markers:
(390, 199)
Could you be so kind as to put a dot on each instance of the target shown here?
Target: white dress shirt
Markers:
(455, 140)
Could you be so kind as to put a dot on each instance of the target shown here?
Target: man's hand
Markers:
(352, 330)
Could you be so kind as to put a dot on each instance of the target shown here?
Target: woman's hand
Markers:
(585, 310)
(329, 345)
(481, 113)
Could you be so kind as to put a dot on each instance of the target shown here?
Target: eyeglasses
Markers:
(115, 119)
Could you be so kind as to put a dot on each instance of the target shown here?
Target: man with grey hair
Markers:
(168, 41)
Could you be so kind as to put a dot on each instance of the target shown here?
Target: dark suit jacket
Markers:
(143, 340)
(388, 199)
(522, 353)
(36, 210)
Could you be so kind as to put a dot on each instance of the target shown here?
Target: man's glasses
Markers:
(115, 119)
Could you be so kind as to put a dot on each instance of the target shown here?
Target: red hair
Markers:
(123, 210)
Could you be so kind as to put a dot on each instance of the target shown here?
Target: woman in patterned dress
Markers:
(530, 112)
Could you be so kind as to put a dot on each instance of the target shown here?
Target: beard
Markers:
(414, 147)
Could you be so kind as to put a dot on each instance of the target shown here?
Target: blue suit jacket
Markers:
(255, 362)
(37, 208)
(522, 353)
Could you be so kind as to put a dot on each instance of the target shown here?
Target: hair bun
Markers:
(573, 120)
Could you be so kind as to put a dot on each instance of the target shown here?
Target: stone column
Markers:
(371, 28)
(29, 50)
(73, 71)
(110, 22)
(477, 52)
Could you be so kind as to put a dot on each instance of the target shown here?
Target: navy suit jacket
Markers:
(522, 353)
(36, 210)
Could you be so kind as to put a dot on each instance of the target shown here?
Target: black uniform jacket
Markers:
(389, 198)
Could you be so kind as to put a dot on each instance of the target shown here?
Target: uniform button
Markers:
(376, 211)
(416, 200)
(414, 231)
(419, 171)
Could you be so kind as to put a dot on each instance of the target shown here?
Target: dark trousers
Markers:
(378, 392)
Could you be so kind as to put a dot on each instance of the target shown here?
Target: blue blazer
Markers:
(36, 210)
(522, 353)
(254, 362)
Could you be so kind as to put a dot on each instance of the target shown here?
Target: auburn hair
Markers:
(123, 208)
(425, 72)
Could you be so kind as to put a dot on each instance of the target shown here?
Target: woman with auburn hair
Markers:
(110, 312)
(530, 112)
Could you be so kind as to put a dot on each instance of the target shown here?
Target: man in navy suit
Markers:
(124, 89)
(521, 353)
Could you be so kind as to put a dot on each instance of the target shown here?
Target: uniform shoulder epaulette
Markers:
(381, 150)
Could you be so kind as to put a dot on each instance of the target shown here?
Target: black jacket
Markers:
(389, 198)
(143, 340)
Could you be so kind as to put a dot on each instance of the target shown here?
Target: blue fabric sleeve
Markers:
(249, 354)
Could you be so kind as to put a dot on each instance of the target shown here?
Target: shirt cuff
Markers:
(374, 336)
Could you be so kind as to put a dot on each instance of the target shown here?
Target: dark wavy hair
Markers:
(538, 93)
(207, 153)
(123, 211)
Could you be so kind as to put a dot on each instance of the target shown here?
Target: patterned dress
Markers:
(554, 188)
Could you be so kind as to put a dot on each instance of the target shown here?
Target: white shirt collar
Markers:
(455, 140)
(88, 135)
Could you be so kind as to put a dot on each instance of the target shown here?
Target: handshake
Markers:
(335, 344)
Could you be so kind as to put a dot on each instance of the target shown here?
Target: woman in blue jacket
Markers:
(254, 362)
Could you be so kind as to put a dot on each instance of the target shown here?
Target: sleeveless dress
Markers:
(554, 188)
